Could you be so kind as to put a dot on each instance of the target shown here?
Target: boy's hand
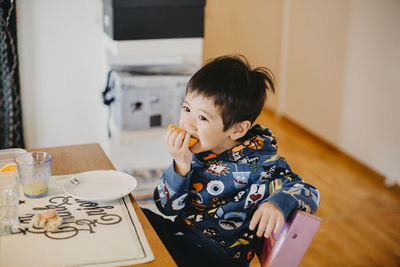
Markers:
(177, 142)
(268, 217)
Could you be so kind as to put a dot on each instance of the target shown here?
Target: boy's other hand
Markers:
(177, 142)
(268, 217)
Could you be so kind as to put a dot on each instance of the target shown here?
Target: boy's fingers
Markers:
(173, 139)
(186, 140)
(176, 140)
(270, 226)
(263, 223)
(167, 138)
(171, 134)
(166, 135)
(255, 220)
(180, 139)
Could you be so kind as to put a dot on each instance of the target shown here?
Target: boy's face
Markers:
(202, 119)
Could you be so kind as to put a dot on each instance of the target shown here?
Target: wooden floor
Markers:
(360, 216)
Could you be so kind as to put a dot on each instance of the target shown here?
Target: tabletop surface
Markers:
(89, 157)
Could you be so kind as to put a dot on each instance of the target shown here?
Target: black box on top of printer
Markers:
(153, 19)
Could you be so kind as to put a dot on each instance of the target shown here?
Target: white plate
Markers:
(100, 185)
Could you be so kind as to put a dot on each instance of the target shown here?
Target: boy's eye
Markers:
(202, 118)
(185, 108)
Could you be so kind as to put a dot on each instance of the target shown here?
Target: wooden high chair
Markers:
(291, 243)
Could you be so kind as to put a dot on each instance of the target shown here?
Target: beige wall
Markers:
(344, 77)
(341, 79)
(370, 122)
(315, 67)
(251, 28)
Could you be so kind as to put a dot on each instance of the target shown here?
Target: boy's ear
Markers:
(240, 129)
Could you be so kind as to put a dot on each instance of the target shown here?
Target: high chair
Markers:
(291, 243)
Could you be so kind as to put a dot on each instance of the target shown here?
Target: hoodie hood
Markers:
(256, 139)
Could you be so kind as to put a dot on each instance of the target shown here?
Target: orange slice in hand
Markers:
(192, 140)
(10, 167)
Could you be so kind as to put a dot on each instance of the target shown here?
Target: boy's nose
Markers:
(189, 125)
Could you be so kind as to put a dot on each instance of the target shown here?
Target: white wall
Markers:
(62, 72)
(343, 77)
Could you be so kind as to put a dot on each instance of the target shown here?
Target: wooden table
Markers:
(89, 157)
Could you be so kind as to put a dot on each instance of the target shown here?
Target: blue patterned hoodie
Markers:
(214, 204)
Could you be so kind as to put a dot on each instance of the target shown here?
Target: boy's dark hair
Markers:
(237, 89)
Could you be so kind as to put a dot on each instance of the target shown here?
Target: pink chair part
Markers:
(292, 242)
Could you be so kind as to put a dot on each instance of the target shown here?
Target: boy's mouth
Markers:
(192, 141)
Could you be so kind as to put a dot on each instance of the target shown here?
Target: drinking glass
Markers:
(9, 201)
(34, 171)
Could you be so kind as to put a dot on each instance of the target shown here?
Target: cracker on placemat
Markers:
(49, 220)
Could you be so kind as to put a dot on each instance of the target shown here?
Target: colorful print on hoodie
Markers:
(214, 204)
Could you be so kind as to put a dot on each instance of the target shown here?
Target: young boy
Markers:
(231, 189)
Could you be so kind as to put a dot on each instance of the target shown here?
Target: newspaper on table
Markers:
(92, 234)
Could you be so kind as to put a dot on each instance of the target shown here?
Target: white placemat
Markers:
(92, 234)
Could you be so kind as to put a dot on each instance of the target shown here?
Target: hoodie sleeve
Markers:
(289, 192)
(171, 192)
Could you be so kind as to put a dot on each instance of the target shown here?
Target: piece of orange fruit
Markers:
(192, 140)
(10, 167)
